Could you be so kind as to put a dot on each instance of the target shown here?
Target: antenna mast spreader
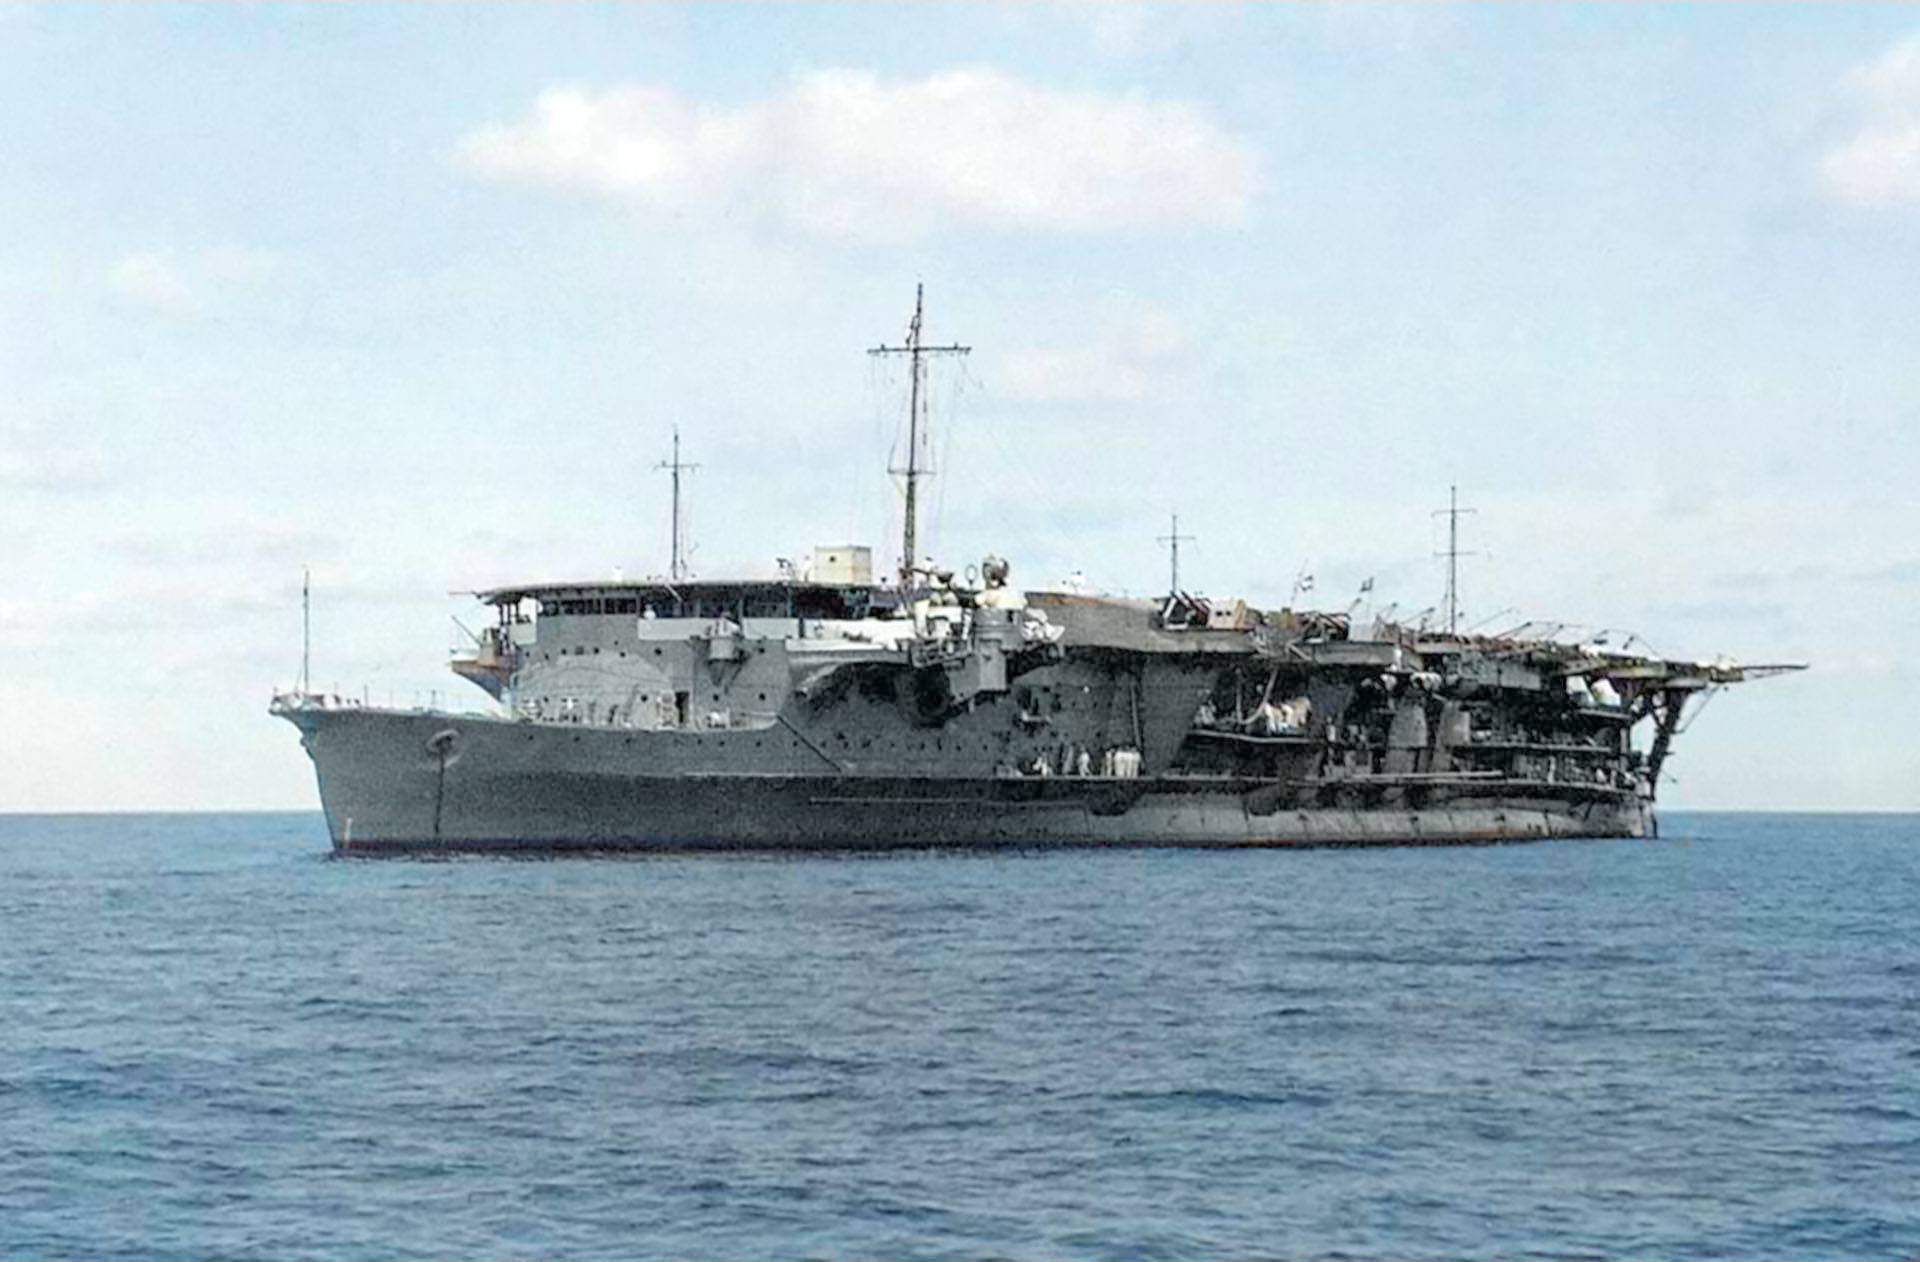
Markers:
(678, 567)
(1453, 513)
(1173, 540)
(917, 353)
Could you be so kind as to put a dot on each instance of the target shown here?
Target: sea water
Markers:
(215, 1040)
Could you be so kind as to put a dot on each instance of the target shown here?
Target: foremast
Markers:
(677, 565)
(917, 353)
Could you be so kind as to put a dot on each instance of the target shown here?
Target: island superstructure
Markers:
(830, 709)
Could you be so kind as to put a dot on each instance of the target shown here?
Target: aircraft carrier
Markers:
(829, 709)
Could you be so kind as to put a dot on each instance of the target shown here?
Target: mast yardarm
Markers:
(917, 353)
(677, 569)
(1453, 513)
(1173, 542)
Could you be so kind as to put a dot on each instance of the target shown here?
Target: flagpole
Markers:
(1364, 598)
(306, 631)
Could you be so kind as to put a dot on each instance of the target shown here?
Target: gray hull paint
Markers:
(388, 785)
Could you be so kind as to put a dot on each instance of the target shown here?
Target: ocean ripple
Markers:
(215, 1042)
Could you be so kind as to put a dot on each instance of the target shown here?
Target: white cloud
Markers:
(1880, 163)
(163, 281)
(1122, 364)
(845, 152)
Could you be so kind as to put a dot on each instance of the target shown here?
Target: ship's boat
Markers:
(826, 709)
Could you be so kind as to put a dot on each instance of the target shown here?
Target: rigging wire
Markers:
(884, 383)
(1680, 729)
(1051, 538)
(946, 407)
(1043, 539)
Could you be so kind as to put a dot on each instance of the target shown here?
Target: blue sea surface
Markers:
(215, 1040)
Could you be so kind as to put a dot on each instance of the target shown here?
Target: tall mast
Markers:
(1173, 542)
(678, 568)
(908, 551)
(916, 352)
(1453, 554)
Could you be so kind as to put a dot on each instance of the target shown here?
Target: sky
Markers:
(414, 296)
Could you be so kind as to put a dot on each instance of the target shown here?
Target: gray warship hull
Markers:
(413, 782)
(826, 710)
